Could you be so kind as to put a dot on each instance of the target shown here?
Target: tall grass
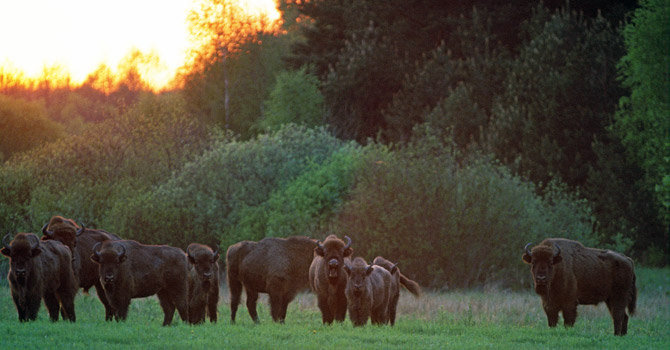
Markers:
(485, 318)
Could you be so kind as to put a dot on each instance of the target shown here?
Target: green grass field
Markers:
(460, 319)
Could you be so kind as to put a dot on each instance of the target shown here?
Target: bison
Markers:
(129, 270)
(327, 278)
(398, 278)
(369, 292)
(203, 282)
(566, 274)
(40, 270)
(81, 241)
(276, 266)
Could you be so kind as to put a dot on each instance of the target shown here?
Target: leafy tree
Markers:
(643, 118)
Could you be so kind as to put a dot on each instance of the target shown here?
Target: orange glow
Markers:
(67, 40)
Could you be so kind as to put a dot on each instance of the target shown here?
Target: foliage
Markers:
(24, 125)
(295, 98)
(642, 118)
(452, 225)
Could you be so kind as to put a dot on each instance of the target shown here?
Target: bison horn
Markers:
(123, 252)
(48, 233)
(527, 249)
(558, 251)
(95, 249)
(5, 240)
(81, 229)
(318, 244)
(348, 242)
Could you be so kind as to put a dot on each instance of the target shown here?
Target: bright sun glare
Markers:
(80, 35)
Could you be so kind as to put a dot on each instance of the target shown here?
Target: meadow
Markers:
(482, 318)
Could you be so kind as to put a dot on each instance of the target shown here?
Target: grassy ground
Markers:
(461, 319)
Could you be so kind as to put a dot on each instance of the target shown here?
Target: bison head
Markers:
(21, 252)
(542, 260)
(358, 272)
(63, 230)
(334, 250)
(203, 259)
(109, 256)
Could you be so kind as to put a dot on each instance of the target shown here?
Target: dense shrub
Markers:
(452, 225)
(206, 199)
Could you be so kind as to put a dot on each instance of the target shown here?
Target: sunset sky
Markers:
(79, 35)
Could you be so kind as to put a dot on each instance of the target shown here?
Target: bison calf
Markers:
(277, 266)
(566, 273)
(81, 241)
(129, 270)
(203, 282)
(327, 278)
(396, 281)
(40, 270)
(368, 292)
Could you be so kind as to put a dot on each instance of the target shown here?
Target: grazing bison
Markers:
(398, 278)
(566, 274)
(368, 292)
(203, 282)
(129, 270)
(81, 241)
(277, 266)
(327, 278)
(40, 270)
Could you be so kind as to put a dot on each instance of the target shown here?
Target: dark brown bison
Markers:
(398, 279)
(40, 270)
(277, 266)
(567, 274)
(203, 282)
(129, 270)
(368, 292)
(328, 279)
(81, 241)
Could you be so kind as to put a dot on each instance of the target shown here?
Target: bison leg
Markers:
(168, 307)
(569, 315)
(326, 314)
(340, 308)
(278, 305)
(212, 302)
(619, 317)
(109, 310)
(53, 307)
(252, 298)
(552, 316)
(20, 308)
(235, 288)
(393, 304)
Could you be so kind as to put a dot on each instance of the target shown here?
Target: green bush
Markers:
(452, 223)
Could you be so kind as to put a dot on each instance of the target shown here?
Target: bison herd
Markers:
(68, 257)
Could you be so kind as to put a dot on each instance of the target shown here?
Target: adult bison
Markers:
(130, 270)
(328, 279)
(368, 292)
(81, 241)
(396, 281)
(40, 270)
(276, 266)
(566, 274)
(203, 282)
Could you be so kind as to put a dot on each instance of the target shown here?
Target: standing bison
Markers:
(81, 241)
(277, 266)
(132, 270)
(203, 282)
(566, 274)
(368, 292)
(397, 280)
(40, 270)
(328, 279)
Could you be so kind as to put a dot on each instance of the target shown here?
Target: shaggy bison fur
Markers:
(566, 273)
(40, 270)
(203, 282)
(81, 241)
(132, 270)
(368, 292)
(328, 279)
(276, 266)
(396, 281)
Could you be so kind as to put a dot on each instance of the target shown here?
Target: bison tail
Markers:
(411, 286)
(633, 298)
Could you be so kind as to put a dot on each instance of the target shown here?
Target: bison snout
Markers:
(109, 279)
(333, 263)
(206, 275)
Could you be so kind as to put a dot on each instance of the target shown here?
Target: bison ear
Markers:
(319, 251)
(558, 258)
(347, 269)
(6, 252)
(348, 252)
(95, 257)
(36, 251)
(526, 258)
(215, 257)
(369, 270)
(190, 259)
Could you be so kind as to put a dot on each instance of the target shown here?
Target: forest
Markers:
(446, 135)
